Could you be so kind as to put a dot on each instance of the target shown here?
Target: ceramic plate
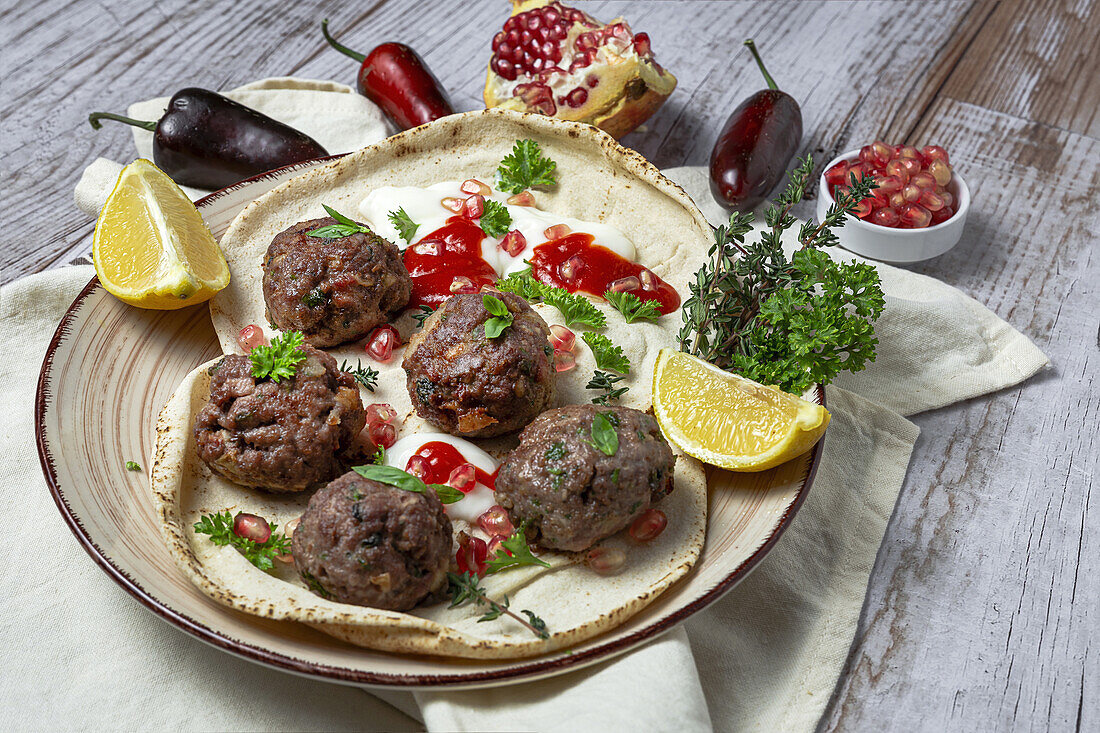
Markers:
(109, 370)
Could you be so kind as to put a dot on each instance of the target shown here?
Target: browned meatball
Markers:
(284, 436)
(333, 290)
(570, 493)
(473, 386)
(375, 545)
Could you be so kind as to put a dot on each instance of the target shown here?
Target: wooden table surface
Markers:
(985, 597)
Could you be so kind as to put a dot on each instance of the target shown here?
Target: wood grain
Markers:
(984, 596)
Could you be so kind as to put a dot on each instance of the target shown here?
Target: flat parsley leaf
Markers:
(525, 167)
(606, 382)
(604, 437)
(280, 359)
(365, 375)
(344, 228)
(393, 476)
(513, 553)
(404, 225)
(632, 307)
(607, 355)
(495, 221)
(501, 316)
(261, 554)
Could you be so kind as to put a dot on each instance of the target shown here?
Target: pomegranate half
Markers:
(556, 60)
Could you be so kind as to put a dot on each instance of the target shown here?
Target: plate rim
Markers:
(525, 670)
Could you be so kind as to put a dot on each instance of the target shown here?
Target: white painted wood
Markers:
(982, 605)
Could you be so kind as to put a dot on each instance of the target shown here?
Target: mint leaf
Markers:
(604, 437)
(502, 317)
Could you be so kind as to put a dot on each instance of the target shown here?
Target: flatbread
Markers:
(598, 181)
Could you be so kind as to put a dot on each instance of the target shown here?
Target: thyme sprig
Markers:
(790, 322)
(365, 375)
(465, 587)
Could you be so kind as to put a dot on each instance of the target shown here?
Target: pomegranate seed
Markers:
(649, 280)
(837, 175)
(912, 165)
(557, 231)
(908, 151)
(463, 284)
(523, 198)
(514, 242)
(382, 434)
(251, 527)
(474, 206)
(898, 170)
(495, 543)
(863, 208)
(939, 217)
(606, 560)
(380, 412)
(867, 156)
(561, 338)
(931, 200)
(495, 520)
(587, 40)
(471, 555)
(592, 80)
(564, 360)
(911, 193)
(577, 97)
(250, 337)
(452, 203)
(924, 180)
(503, 68)
(856, 170)
(536, 95)
(432, 247)
(641, 44)
(418, 466)
(941, 171)
(463, 477)
(568, 269)
(381, 343)
(914, 216)
(934, 152)
(583, 60)
(878, 198)
(897, 201)
(649, 525)
(885, 217)
(883, 153)
(625, 284)
(889, 185)
(948, 199)
(472, 185)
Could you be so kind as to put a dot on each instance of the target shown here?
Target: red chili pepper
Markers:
(395, 78)
(755, 146)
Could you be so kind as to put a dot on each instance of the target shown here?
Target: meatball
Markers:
(284, 436)
(333, 290)
(572, 494)
(473, 386)
(363, 542)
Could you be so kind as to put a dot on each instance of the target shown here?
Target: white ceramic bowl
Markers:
(897, 245)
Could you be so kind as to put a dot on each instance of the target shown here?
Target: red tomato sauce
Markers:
(443, 458)
(459, 255)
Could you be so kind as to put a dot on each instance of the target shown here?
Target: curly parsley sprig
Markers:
(495, 220)
(279, 360)
(525, 167)
(403, 223)
(261, 554)
(465, 587)
(607, 355)
(632, 307)
(792, 322)
(576, 309)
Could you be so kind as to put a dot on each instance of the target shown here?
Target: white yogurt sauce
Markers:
(479, 499)
(424, 208)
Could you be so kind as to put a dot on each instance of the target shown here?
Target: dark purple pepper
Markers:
(755, 146)
(209, 141)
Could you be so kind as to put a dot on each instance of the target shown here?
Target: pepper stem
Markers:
(339, 46)
(760, 63)
(95, 117)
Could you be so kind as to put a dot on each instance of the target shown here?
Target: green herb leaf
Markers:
(577, 309)
(785, 322)
(606, 382)
(420, 317)
(514, 552)
(525, 167)
(133, 466)
(604, 437)
(314, 298)
(523, 285)
(447, 494)
(632, 307)
(344, 228)
(502, 317)
(607, 355)
(404, 225)
(465, 588)
(280, 359)
(393, 476)
(495, 220)
(365, 375)
(379, 457)
(219, 527)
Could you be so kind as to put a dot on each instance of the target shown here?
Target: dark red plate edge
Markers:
(298, 666)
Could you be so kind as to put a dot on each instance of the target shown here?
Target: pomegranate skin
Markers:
(394, 77)
(754, 148)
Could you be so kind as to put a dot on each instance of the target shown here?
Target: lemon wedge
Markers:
(151, 247)
(729, 421)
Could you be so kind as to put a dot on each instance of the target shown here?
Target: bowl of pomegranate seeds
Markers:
(918, 210)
